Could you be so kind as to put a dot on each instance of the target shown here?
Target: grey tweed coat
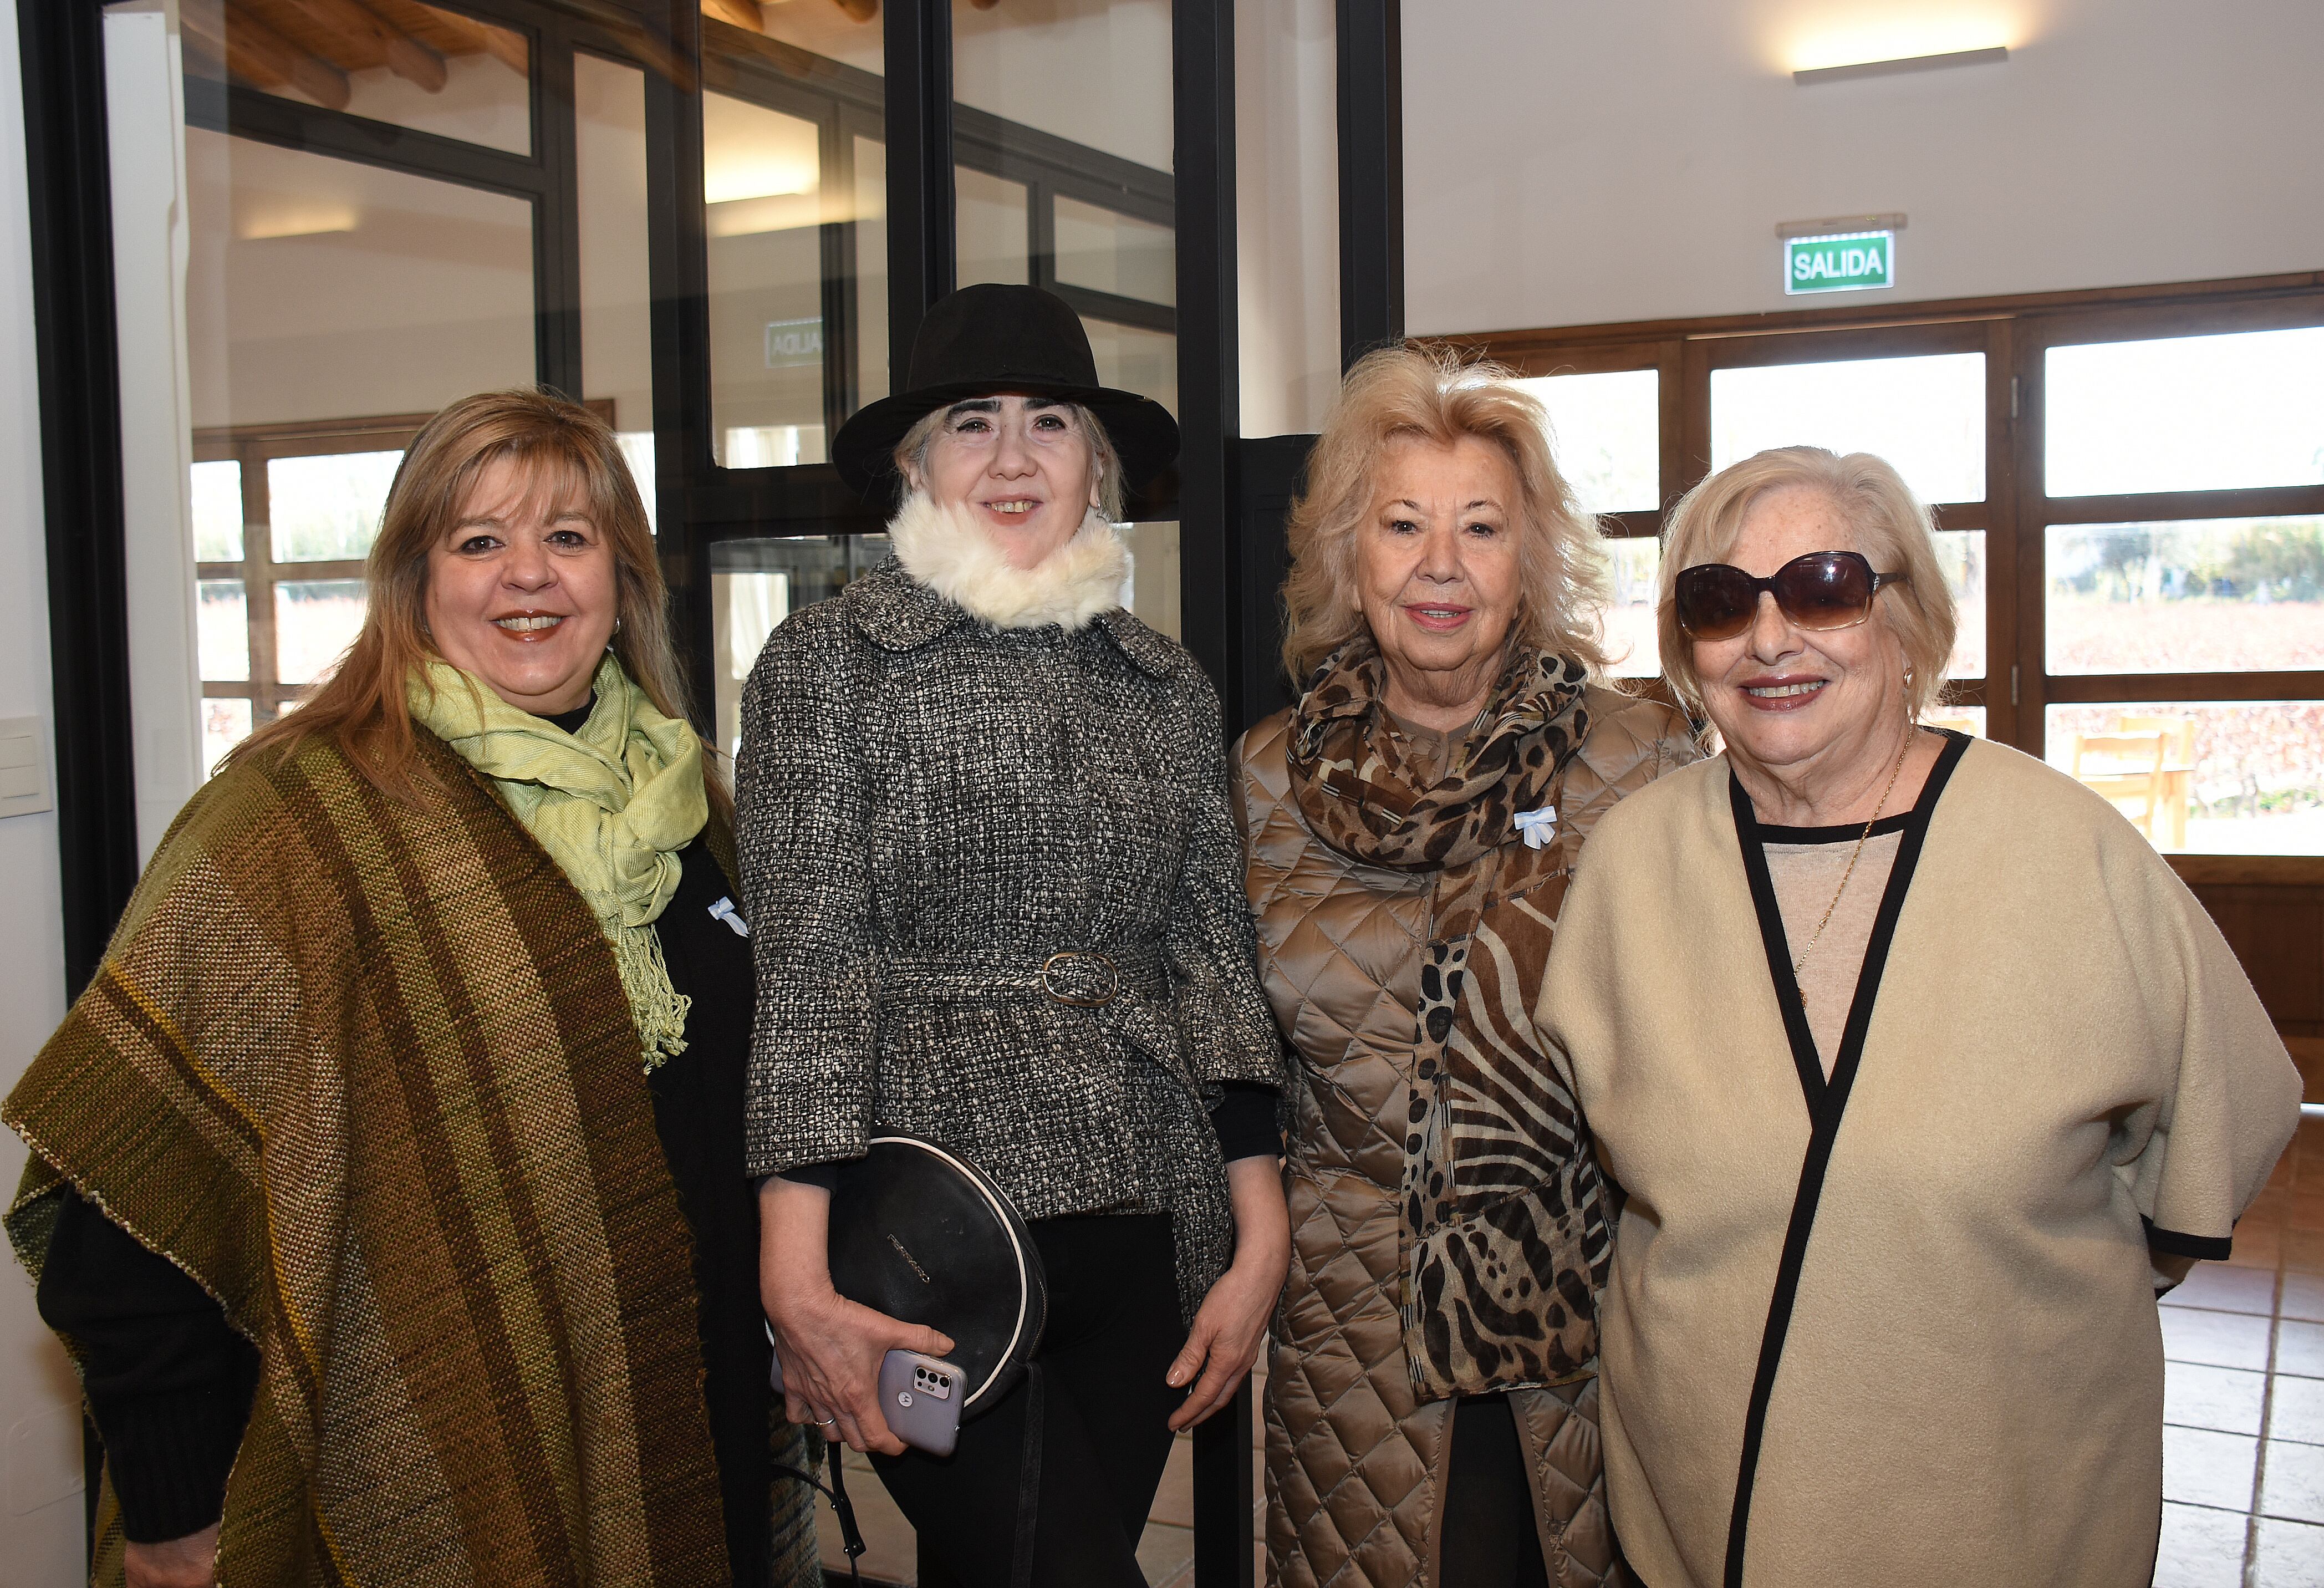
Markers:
(929, 809)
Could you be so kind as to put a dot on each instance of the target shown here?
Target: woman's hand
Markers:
(1233, 1318)
(829, 1347)
(189, 1562)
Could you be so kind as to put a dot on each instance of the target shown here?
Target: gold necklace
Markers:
(1855, 855)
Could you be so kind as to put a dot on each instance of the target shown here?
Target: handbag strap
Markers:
(1028, 1481)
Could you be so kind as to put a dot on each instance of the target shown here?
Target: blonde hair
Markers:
(560, 445)
(1892, 528)
(1430, 393)
(912, 454)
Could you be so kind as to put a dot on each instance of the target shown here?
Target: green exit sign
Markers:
(1849, 261)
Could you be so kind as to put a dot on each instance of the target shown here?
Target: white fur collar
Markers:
(951, 554)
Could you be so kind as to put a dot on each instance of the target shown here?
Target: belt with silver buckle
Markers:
(1065, 961)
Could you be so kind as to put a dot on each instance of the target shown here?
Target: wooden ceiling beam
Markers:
(250, 42)
(742, 13)
(456, 34)
(405, 56)
(510, 50)
(209, 30)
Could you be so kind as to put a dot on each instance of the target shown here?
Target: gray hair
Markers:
(912, 454)
(1892, 528)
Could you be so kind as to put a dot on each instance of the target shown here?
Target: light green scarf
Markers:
(613, 804)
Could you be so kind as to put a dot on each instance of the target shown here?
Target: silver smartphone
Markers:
(919, 1396)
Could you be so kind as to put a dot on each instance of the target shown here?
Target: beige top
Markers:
(1951, 1371)
(1431, 748)
(1807, 874)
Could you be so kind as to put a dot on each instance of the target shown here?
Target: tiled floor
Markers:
(2243, 1442)
(1166, 1552)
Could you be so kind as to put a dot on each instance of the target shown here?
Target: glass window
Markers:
(797, 180)
(317, 289)
(994, 243)
(1606, 433)
(847, 31)
(399, 61)
(1094, 72)
(330, 307)
(1631, 639)
(226, 723)
(1961, 719)
(2214, 778)
(1112, 252)
(1961, 553)
(754, 586)
(217, 510)
(327, 508)
(1072, 100)
(1132, 359)
(2186, 414)
(762, 184)
(1924, 414)
(222, 630)
(609, 106)
(2202, 596)
(315, 620)
(1154, 578)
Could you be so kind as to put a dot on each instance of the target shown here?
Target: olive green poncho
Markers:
(366, 1071)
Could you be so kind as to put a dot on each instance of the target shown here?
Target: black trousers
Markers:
(1113, 1329)
(1490, 1540)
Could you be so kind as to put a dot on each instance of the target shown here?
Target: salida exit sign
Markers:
(1846, 261)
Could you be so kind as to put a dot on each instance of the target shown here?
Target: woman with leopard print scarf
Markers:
(1410, 827)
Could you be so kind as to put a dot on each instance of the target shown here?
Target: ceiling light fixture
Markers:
(1811, 76)
(264, 222)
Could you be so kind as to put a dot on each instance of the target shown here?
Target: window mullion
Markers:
(923, 231)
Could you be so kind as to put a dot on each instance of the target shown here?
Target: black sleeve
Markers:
(168, 1381)
(825, 1175)
(1245, 1121)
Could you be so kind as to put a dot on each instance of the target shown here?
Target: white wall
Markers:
(1568, 162)
(39, 1418)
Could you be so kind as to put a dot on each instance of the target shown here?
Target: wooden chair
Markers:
(2178, 771)
(2128, 770)
(2179, 732)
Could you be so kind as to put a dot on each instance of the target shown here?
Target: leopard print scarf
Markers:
(1362, 790)
(1503, 1231)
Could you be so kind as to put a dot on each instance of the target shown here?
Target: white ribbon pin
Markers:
(1537, 825)
(725, 910)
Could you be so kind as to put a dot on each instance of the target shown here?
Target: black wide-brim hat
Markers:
(990, 340)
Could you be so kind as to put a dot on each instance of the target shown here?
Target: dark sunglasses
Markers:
(1822, 590)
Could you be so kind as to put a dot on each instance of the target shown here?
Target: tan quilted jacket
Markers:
(1354, 1464)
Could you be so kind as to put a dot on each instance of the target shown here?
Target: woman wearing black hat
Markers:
(997, 903)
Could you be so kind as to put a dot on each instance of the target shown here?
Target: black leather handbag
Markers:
(921, 1233)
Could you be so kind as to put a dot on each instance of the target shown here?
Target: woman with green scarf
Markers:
(387, 1181)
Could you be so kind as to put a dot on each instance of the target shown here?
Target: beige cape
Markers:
(1937, 1304)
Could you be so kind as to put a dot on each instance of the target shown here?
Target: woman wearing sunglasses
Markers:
(1924, 1075)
